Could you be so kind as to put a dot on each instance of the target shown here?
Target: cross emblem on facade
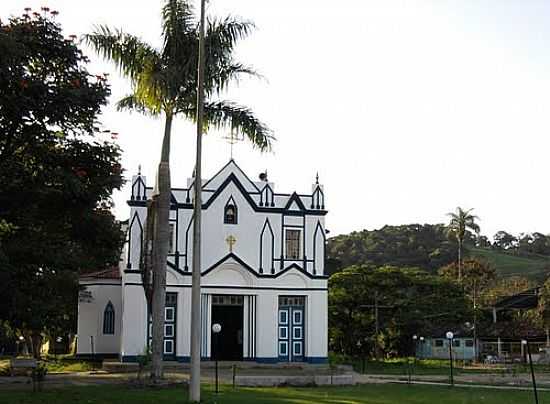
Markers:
(230, 240)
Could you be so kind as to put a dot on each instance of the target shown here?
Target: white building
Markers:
(263, 276)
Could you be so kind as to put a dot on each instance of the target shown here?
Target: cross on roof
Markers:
(232, 138)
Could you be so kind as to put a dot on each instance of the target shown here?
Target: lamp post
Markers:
(359, 346)
(216, 328)
(20, 341)
(450, 337)
(411, 370)
(526, 343)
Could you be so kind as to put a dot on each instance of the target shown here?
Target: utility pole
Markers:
(195, 382)
(475, 321)
(376, 306)
(377, 326)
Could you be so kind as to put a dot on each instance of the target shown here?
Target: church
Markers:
(263, 277)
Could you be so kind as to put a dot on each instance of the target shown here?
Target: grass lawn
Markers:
(370, 394)
(533, 267)
(400, 367)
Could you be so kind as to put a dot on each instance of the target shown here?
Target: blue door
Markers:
(170, 317)
(291, 321)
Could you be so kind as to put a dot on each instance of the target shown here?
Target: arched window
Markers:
(230, 212)
(109, 319)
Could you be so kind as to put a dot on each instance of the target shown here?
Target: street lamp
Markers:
(524, 342)
(450, 337)
(21, 339)
(359, 348)
(415, 338)
(216, 328)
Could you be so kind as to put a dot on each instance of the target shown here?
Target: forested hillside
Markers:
(429, 247)
(424, 246)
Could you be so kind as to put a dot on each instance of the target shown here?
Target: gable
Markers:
(231, 169)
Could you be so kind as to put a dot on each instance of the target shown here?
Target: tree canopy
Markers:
(423, 246)
(411, 302)
(56, 175)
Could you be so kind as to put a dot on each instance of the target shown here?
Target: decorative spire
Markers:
(139, 169)
(317, 178)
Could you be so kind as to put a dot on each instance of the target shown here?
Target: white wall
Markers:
(90, 318)
(134, 334)
(231, 277)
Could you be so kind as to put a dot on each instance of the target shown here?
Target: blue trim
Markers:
(267, 360)
(294, 197)
(186, 359)
(260, 275)
(133, 358)
(235, 287)
(316, 359)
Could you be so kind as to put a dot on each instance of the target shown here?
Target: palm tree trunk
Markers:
(195, 382)
(160, 252)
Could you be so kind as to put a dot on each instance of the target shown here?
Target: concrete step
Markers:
(115, 366)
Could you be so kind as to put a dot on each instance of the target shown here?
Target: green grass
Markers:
(399, 367)
(533, 267)
(71, 366)
(369, 394)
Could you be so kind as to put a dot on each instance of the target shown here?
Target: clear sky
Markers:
(406, 108)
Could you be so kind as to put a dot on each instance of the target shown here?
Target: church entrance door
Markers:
(227, 310)
(291, 328)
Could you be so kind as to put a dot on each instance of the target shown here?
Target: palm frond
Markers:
(130, 55)
(132, 103)
(224, 33)
(226, 114)
(220, 40)
(180, 46)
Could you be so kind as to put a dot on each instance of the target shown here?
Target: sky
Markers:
(406, 109)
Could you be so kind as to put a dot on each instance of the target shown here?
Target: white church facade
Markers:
(263, 279)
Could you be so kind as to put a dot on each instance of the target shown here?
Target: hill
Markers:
(534, 267)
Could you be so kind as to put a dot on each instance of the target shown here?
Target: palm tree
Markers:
(461, 220)
(164, 82)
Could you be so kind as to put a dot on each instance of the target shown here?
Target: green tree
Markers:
(544, 308)
(165, 83)
(461, 221)
(504, 240)
(410, 301)
(56, 177)
(478, 275)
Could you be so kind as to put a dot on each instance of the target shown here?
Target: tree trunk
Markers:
(160, 252)
(459, 260)
(36, 344)
(195, 382)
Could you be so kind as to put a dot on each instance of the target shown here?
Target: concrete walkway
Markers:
(254, 376)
